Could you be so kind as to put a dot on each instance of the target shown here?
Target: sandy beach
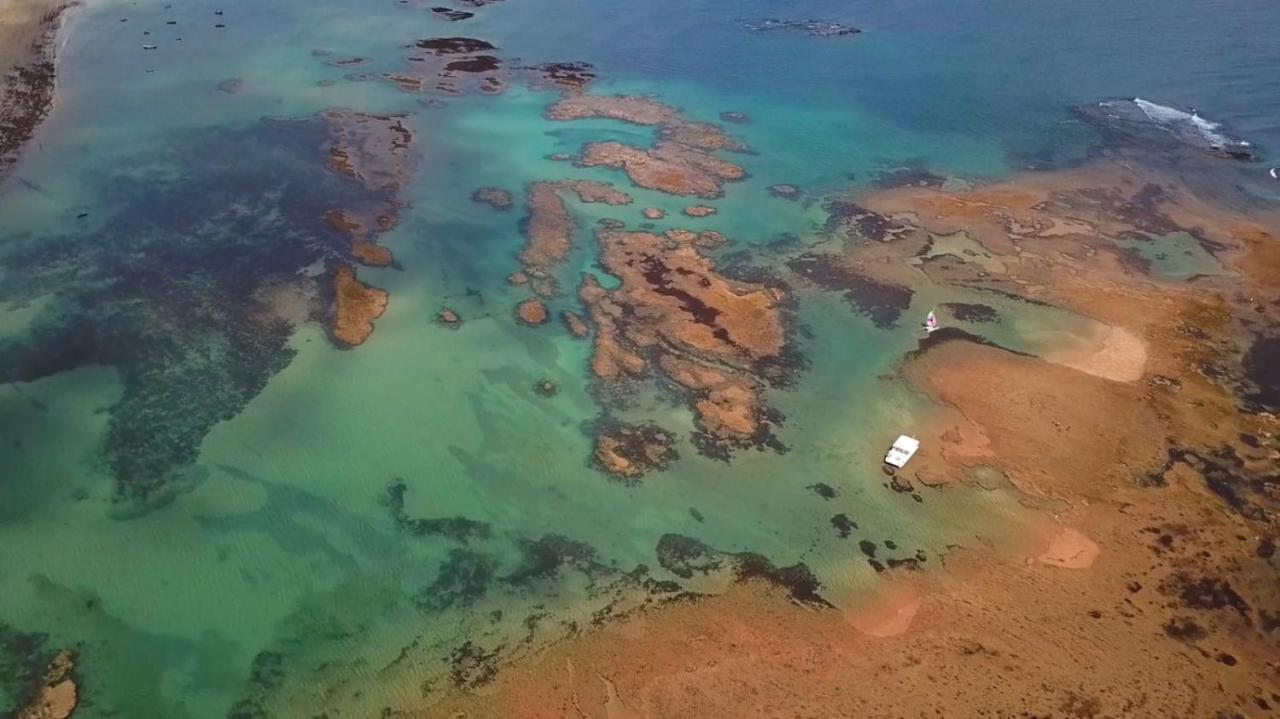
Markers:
(27, 28)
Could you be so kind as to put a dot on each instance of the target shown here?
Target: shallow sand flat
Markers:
(1112, 353)
(21, 22)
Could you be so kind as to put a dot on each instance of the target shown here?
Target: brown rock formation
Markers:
(699, 211)
(575, 324)
(57, 696)
(532, 312)
(593, 191)
(355, 307)
(495, 197)
(653, 213)
(548, 233)
(628, 452)
(668, 167)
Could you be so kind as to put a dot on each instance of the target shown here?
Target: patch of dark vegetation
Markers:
(683, 556)
(971, 312)
(843, 525)
(1206, 593)
(721, 447)
(868, 548)
(459, 529)
(169, 290)
(1185, 629)
(697, 516)
(1224, 473)
(852, 221)
(1262, 371)
(462, 580)
(545, 557)
(797, 579)
(24, 657)
(880, 301)
(824, 490)
(913, 176)
(471, 665)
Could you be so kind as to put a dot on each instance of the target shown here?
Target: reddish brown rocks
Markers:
(699, 211)
(449, 318)
(679, 163)
(532, 312)
(548, 232)
(653, 213)
(574, 323)
(591, 191)
(355, 306)
(515, 279)
(494, 197)
(362, 248)
(629, 451)
(57, 695)
(667, 167)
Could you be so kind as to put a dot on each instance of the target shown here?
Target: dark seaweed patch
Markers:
(165, 289)
(471, 665)
(1262, 369)
(880, 301)
(463, 579)
(543, 558)
(1206, 593)
(843, 525)
(683, 556)
(971, 312)
(24, 657)
(459, 529)
(797, 579)
(850, 220)
(454, 45)
(823, 490)
(645, 446)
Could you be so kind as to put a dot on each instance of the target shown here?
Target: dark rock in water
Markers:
(848, 218)
(1146, 122)
(448, 317)
(575, 76)
(545, 557)
(474, 64)
(683, 556)
(971, 312)
(912, 176)
(495, 197)
(547, 388)
(812, 28)
(231, 86)
(737, 118)
(451, 14)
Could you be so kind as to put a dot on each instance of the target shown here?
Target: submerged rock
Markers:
(812, 28)
(1144, 121)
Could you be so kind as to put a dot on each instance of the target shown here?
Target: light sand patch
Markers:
(890, 614)
(1069, 549)
(1111, 353)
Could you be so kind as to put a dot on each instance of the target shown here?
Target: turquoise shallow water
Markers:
(275, 569)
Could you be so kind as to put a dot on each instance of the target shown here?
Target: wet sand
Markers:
(1146, 584)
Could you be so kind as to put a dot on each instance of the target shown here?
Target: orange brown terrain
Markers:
(680, 162)
(355, 307)
(1144, 450)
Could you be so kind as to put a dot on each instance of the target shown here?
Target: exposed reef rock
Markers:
(575, 324)
(494, 197)
(699, 211)
(548, 231)
(593, 191)
(451, 14)
(532, 312)
(720, 341)
(449, 318)
(679, 163)
(355, 306)
(56, 696)
(630, 451)
(653, 213)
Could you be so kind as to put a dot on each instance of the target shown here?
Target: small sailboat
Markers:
(931, 322)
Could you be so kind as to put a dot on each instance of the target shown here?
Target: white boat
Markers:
(931, 322)
(903, 449)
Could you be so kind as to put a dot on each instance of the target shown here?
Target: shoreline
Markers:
(28, 71)
(1143, 584)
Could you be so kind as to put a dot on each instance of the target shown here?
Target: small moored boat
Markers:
(903, 449)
